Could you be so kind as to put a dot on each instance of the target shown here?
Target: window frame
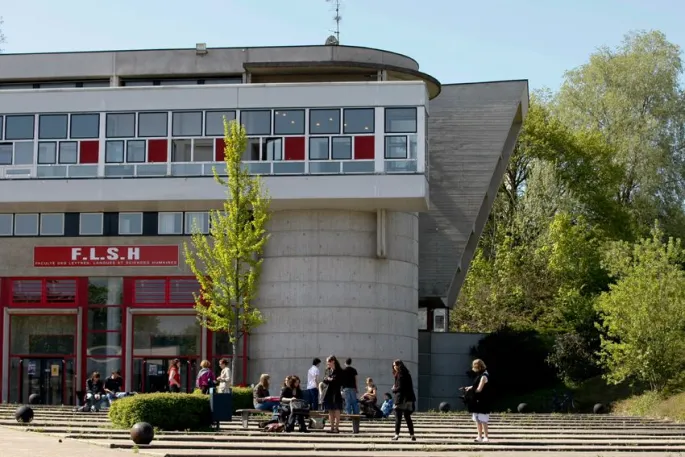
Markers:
(33, 127)
(396, 108)
(55, 151)
(145, 113)
(300, 111)
(188, 228)
(207, 123)
(10, 146)
(53, 115)
(80, 224)
(59, 153)
(178, 231)
(271, 121)
(388, 139)
(314, 110)
(123, 113)
(123, 151)
(11, 226)
(328, 144)
(61, 232)
(362, 132)
(126, 154)
(348, 139)
(71, 126)
(120, 232)
(180, 113)
(30, 144)
(37, 225)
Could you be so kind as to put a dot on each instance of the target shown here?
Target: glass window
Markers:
(318, 149)
(252, 150)
(23, 153)
(152, 124)
(105, 291)
(201, 220)
(358, 120)
(104, 343)
(68, 152)
(400, 120)
(342, 148)
(47, 152)
(289, 122)
(203, 150)
(26, 224)
(187, 124)
(6, 224)
(257, 122)
(52, 126)
(181, 151)
(170, 223)
(214, 122)
(166, 335)
(6, 153)
(90, 224)
(273, 147)
(395, 147)
(130, 223)
(103, 365)
(114, 152)
(121, 125)
(43, 334)
(135, 151)
(52, 224)
(324, 121)
(85, 126)
(19, 127)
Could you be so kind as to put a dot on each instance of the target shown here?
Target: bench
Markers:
(246, 413)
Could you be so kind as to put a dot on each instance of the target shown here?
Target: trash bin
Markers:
(221, 405)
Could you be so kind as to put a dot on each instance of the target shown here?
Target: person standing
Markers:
(405, 398)
(331, 393)
(313, 384)
(349, 385)
(481, 403)
(175, 376)
(224, 378)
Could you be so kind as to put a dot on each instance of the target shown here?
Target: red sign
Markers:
(105, 256)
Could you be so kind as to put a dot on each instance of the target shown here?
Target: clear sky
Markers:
(453, 40)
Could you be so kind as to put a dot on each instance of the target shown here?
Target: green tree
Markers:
(643, 313)
(227, 263)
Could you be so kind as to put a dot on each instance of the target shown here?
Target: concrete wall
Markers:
(325, 292)
(444, 360)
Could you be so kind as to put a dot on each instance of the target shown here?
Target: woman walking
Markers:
(404, 398)
(175, 376)
(331, 393)
(481, 400)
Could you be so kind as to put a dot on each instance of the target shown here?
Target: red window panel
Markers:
(170, 291)
(150, 291)
(181, 290)
(60, 291)
(220, 146)
(89, 152)
(294, 148)
(157, 151)
(44, 291)
(364, 147)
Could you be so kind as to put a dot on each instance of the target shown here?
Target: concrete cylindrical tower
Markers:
(324, 291)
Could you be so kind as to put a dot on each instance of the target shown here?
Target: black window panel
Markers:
(358, 120)
(150, 224)
(121, 125)
(110, 224)
(85, 126)
(400, 120)
(71, 224)
(256, 122)
(324, 121)
(153, 124)
(289, 122)
(214, 122)
(52, 126)
(19, 127)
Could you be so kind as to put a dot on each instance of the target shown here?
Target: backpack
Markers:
(204, 379)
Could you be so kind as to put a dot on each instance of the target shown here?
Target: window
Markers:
(214, 122)
(203, 150)
(395, 147)
(199, 220)
(6, 224)
(273, 148)
(289, 122)
(130, 223)
(6, 153)
(121, 125)
(170, 223)
(324, 121)
(68, 152)
(252, 150)
(23, 153)
(47, 152)
(26, 224)
(85, 126)
(114, 152)
(52, 126)
(358, 120)
(52, 224)
(256, 122)
(90, 224)
(181, 151)
(187, 124)
(135, 151)
(400, 120)
(19, 127)
(342, 148)
(152, 124)
(318, 149)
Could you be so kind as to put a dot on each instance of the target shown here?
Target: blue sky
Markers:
(454, 40)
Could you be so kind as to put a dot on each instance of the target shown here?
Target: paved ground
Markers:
(15, 443)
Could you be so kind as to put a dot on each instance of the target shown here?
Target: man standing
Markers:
(313, 385)
(349, 385)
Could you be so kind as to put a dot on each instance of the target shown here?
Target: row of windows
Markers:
(209, 123)
(103, 224)
(128, 83)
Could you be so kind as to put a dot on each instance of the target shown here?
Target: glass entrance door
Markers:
(51, 379)
(151, 374)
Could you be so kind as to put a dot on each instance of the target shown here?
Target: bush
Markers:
(242, 398)
(573, 357)
(166, 411)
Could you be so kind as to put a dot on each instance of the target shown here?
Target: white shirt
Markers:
(312, 374)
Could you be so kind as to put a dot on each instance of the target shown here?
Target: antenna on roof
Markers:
(335, 40)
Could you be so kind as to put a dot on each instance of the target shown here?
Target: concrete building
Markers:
(381, 180)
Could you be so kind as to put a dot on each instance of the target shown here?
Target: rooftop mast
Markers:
(337, 18)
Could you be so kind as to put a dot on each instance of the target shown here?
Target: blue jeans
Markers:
(266, 406)
(115, 396)
(313, 399)
(351, 403)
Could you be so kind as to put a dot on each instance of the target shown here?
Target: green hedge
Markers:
(169, 411)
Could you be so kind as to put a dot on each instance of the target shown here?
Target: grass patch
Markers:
(654, 405)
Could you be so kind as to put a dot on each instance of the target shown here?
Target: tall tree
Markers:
(227, 263)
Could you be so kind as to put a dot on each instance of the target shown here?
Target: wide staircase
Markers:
(437, 435)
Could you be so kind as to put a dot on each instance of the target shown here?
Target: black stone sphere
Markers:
(142, 433)
(34, 399)
(444, 407)
(522, 407)
(24, 414)
(599, 409)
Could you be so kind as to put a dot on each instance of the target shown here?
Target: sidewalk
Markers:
(17, 443)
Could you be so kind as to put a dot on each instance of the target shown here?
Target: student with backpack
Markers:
(205, 378)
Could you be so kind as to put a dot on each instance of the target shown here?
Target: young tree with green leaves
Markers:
(227, 262)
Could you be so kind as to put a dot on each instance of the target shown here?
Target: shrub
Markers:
(242, 398)
(166, 411)
(573, 357)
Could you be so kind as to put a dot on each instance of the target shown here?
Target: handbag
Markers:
(405, 406)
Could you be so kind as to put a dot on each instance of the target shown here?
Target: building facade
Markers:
(106, 163)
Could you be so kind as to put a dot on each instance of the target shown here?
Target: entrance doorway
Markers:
(52, 379)
(151, 374)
